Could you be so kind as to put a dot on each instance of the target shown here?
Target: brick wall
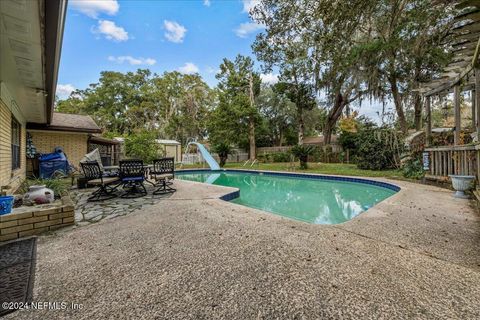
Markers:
(7, 176)
(73, 144)
(28, 221)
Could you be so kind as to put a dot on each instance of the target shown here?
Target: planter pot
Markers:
(38, 195)
(6, 203)
(462, 184)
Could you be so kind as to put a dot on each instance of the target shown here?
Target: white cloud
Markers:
(206, 3)
(93, 8)
(188, 68)
(269, 78)
(175, 31)
(111, 31)
(249, 5)
(247, 28)
(133, 61)
(64, 90)
(211, 70)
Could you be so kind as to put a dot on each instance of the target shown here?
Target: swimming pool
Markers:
(310, 198)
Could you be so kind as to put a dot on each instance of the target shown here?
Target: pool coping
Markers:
(236, 194)
(382, 184)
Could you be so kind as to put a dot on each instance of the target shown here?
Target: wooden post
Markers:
(474, 110)
(457, 115)
(477, 101)
(428, 121)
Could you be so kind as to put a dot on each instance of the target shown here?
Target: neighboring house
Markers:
(71, 132)
(30, 42)
(320, 142)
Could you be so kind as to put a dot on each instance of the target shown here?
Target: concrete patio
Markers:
(191, 255)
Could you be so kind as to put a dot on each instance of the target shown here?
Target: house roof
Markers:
(168, 142)
(103, 141)
(68, 122)
(319, 139)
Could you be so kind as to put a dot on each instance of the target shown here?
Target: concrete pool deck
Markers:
(414, 255)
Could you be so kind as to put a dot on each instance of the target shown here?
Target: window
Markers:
(16, 134)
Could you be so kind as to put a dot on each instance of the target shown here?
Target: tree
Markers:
(402, 46)
(143, 145)
(223, 150)
(313, 42)
(302, 95)
(278, 112)
(186, 100)
(237, 112)
(302, 152)
(173, 105)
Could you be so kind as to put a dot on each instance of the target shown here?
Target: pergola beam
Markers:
(428, 121)
(474, 109)
(451, 83)
(477, 102)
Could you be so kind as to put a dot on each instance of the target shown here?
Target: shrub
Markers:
(317, 155)
(374, 152)
(302, 152)
(280, 157)
(413, 167)
(59, 186)
(264, 157)
(223, 150)
(349, 141)
(143, 146)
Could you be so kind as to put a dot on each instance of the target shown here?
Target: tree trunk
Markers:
(417, 104)
(251, 138)
(301, 125)
(251, 122)
(397, 99)
(223, 160)
(332, 118)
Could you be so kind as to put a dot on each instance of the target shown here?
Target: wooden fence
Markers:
(457, 160)
(336, 148)
(235, 157)
(268, 150)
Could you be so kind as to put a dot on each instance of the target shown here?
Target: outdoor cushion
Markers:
(93, 156)
(105, 181)
(133, 179)
(163, 176)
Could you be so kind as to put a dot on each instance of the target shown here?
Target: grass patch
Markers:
(341, 169)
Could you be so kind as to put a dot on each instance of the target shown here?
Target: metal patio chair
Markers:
(163, 172)
(94, 175)
(132, 175)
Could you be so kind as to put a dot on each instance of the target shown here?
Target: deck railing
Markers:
(456, 160)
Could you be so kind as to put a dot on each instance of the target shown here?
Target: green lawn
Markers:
(341, 169)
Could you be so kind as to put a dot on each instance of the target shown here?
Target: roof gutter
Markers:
(55, 11)
(41, 126)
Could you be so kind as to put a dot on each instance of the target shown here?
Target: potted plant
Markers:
(462, 183)
(6, 201)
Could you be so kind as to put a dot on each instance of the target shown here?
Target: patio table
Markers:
(146, 167)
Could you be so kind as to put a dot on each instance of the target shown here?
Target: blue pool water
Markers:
(314, 199)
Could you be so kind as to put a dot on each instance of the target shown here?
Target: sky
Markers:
(189, 36)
